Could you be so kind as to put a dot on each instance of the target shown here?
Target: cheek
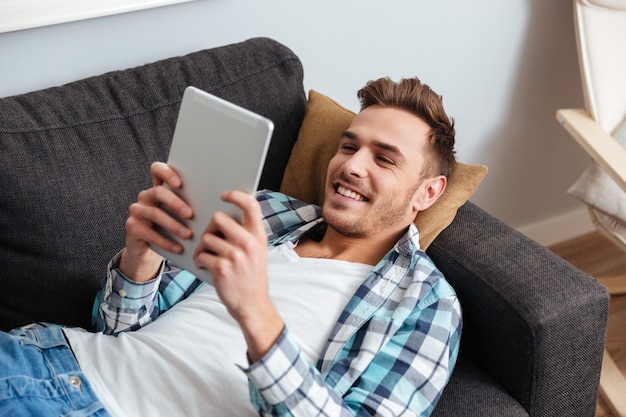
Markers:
(333, 165)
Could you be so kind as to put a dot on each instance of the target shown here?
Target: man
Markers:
(338, 313)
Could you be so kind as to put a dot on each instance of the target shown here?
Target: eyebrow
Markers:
(382, 145)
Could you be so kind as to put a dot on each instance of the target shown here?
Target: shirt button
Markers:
(75, 381)
(122, 293)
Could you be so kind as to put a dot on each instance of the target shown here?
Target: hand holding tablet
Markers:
(217, 146)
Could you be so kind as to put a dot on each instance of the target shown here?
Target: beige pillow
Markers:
(317, 143)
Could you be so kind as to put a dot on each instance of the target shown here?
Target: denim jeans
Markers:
(39, 376)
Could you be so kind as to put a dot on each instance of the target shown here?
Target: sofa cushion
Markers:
(471, 392)
(73, 158)
(317, 143)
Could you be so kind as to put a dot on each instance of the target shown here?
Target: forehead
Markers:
(391, 125)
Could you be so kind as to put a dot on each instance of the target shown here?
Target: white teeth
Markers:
(350, 194)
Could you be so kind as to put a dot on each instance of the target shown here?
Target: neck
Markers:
(333, 245)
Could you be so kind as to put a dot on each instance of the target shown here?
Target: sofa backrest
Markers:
(74, 157)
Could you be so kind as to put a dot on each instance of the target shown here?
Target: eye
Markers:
(348, 148)
(385, 160)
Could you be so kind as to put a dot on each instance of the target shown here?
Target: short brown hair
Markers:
(412, 95)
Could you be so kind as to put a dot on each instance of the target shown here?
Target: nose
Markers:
(356, 164)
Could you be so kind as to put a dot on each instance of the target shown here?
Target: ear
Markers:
(428, 192)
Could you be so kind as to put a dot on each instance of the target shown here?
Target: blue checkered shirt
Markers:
(390, 354)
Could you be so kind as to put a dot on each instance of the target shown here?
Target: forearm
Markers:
(363, 380)
(141, 267)
(125, 305)
(122, 304)
(284, 384)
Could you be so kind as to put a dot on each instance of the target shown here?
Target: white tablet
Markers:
(217, 146)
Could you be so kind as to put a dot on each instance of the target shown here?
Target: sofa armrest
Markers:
(532, 321)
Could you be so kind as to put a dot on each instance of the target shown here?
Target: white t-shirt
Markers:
(185, 363)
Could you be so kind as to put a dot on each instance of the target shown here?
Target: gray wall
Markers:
(503, 67)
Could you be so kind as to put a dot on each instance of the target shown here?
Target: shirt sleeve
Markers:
(124, 305)
(405, 377)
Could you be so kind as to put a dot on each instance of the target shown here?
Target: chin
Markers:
(347, 225)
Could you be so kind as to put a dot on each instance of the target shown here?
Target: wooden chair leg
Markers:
(613, 386)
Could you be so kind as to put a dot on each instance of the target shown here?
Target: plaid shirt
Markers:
(390, 354)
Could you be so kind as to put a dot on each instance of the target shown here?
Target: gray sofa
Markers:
(73, 158)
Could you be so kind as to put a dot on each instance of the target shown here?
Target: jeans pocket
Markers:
(42, 338)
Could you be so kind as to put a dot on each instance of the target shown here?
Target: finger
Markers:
(142, 231)
(213, 244)
(222, 230)
(213, 250)
(162, 173)
(252, 216)
(221, 268)
(153, 215)
(168, 200)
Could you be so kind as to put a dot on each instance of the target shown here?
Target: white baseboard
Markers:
(559, 228)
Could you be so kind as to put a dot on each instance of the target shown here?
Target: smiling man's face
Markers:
(374, 183)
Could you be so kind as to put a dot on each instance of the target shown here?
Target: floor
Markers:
(601, 259)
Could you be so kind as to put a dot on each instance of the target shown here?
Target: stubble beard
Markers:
(381, 217)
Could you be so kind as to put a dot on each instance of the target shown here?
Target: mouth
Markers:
(341, 190)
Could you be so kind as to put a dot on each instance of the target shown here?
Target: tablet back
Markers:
(217, 146)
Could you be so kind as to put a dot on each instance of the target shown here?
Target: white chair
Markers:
(601, 130)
